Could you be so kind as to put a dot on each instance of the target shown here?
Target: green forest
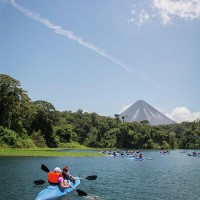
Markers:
(27, 124)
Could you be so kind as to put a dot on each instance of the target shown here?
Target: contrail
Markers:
(59, 30)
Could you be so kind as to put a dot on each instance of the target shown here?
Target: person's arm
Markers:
(63, 184)
(70, 177)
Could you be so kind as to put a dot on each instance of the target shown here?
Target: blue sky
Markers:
(103, 56)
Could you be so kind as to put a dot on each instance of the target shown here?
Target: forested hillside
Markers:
(25, 124)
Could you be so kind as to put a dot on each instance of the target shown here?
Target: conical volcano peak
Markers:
(141, 110)
(140, 101)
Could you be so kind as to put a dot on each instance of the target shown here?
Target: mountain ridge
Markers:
(141, 110)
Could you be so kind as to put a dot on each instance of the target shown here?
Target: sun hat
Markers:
(57, 169)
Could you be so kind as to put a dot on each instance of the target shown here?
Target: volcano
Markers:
(141, 110)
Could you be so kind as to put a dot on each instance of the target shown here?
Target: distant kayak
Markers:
(183, 151)
(165, 153)
(194, 155)
(53, 191)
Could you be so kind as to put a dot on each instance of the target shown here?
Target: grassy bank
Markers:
(75, 151)
(44, 152)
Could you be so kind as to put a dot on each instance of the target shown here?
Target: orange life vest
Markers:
(53, 177)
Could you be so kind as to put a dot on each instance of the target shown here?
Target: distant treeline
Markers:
(26, 124)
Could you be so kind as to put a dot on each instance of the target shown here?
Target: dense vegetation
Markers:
(26, 124)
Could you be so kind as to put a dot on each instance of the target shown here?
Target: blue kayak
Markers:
(53, 191)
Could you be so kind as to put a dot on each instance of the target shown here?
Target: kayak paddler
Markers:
(56, 178)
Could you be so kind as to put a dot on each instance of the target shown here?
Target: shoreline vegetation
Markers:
(71, 151)
(46, 153)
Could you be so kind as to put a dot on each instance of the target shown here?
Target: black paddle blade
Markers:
(94, 177)
(45, 168)
(39, 182)
(81, 192)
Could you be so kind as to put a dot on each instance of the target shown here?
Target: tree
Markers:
(117, 118)
(44, 120)
(172, 140)
(15, 105)
(65, 133)
(144, 122)
(149, 144)
(165, 145)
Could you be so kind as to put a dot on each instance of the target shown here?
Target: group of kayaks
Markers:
(131, 157)
(137, 155)
(194, 153)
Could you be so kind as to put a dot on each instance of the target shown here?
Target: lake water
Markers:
(166, 177)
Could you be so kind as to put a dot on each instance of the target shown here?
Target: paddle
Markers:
(80, 192)
(45, 168)
(93, 177)
(39, 182)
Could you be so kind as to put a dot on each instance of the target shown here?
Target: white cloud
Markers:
(181, 114)
(143, 16)
(186, 9)
(138, 18)
(197, 115)
(165, 10)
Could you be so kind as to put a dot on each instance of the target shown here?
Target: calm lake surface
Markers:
(166, 177)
